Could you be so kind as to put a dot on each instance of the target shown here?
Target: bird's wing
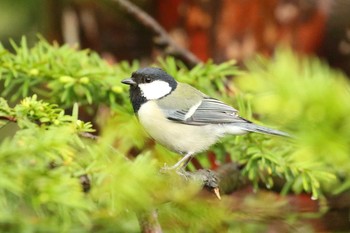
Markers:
(205, 111)
(196, 108)
(215, 112)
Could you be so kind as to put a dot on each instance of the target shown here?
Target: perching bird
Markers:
(182, 118)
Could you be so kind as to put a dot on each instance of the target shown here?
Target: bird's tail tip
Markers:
(264, 130)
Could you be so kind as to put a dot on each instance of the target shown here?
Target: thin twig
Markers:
(8, 118)
(149, 222)
(88, 135)
(209, 179)
(162, 37)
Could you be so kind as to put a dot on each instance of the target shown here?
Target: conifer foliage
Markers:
(53, 178)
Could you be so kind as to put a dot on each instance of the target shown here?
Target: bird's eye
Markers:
(148, 79)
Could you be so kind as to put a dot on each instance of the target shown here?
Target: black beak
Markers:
(129, 81)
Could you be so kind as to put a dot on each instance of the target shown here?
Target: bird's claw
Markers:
(165, 168)
(179, 170)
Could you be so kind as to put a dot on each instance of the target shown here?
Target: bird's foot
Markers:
(208, 178)
(183, 173)
(166, 168)
(180, 165)
(178, 169)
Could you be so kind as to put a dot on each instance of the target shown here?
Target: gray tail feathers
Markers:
(261, 129)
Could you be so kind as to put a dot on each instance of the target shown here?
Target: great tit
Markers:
(182, 118)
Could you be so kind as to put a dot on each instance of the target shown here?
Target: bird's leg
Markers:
(181, 170)
(181, 164)
(190, 157)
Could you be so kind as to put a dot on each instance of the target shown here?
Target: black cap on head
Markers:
(150, 74)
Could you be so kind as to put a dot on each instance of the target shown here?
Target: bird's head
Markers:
(150, 83)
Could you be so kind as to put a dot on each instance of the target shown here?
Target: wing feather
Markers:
(209, 111)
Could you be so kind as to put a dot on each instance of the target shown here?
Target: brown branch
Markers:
(225, 180)
(8, 118)
(149, 222)
(162, 37)
(88, 135)
(231, 178)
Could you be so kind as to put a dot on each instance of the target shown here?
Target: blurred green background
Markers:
(281, 63)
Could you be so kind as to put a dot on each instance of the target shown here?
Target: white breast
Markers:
(176, 136)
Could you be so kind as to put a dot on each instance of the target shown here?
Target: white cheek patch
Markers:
(155, 90)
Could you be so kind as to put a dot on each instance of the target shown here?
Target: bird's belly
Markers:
(176, 136)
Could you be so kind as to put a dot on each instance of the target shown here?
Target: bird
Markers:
(181, 117)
